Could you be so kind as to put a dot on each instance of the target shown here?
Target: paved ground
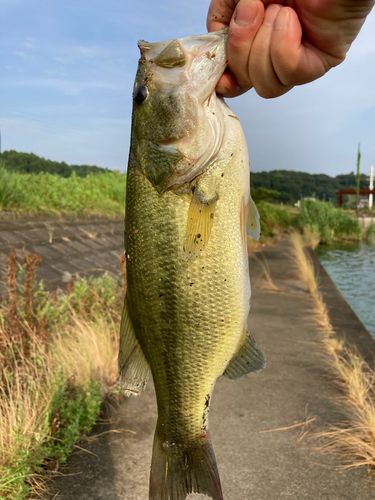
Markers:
(67, 247)
(257, 459)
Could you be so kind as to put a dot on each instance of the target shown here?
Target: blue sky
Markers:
(67, 70)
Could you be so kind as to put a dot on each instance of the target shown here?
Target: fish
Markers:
(188, 214)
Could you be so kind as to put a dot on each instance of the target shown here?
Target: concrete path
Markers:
(257, 458)
(68, 247)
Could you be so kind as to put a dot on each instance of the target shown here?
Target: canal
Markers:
(352, 268)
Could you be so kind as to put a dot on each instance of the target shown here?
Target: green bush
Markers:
(274, 218)
(329, 222)
(90, 297)
(73, 412)
(369, 234)
(51, 194)
(11, 193)
(262, 193)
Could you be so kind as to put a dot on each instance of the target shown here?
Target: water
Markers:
(352, 268)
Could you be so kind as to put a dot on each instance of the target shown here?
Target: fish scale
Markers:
(188, 292)
(209, 301)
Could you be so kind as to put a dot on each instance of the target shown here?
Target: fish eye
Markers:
(140, 94)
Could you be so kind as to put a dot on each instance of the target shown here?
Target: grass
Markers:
(304, 264)
(353, 441)
(369, 234)
(319, 222)
(275, 219)
(329, 222)
(104, 194)
(58, 357)
(53, 195)
(268, 282)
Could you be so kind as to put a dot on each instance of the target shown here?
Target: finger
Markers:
(246, 20)
(294, 60)
(220, 13)
(228, 87)
(263, 75)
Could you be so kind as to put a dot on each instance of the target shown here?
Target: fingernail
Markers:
(246, 13)
(271, 13)
(282, 20)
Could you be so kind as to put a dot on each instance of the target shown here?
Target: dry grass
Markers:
(253, 245)
(25, 396)
(353, 441)
(88, 349)
(310, 237)
(83, 351)
(304, 264)
(44, 363)
(267, 279)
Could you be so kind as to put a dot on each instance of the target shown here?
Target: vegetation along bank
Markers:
(49, 398)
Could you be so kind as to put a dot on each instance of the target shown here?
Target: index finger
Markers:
(220, 13)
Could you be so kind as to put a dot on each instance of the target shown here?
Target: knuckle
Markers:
(239, 43)
(270, 92)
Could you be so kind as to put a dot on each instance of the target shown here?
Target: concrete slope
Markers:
(68, 247)
(254, 421)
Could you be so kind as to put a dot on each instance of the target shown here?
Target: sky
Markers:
(67, 70)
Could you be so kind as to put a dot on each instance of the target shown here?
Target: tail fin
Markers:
(177, 471)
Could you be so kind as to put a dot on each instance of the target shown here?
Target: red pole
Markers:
(339, 201)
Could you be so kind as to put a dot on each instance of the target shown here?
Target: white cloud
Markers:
(88, 51)
(61, 110)
(16, 126)
(66, 86)
(29, 43)
(65, 60)
(13, 68)
(19, 53)
(74, 54)
(53, 72)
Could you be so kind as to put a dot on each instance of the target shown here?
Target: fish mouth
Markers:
(151, 50)
(189, 69)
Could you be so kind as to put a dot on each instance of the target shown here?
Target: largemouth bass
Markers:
(188, 297)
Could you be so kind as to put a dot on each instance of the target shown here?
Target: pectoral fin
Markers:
(253, 222)
(247, 359)
(133, 367)
(200, 220)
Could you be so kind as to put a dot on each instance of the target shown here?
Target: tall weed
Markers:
(369, 234)
(58, 357)
(11, 193)
(329, 222)
(274, 218)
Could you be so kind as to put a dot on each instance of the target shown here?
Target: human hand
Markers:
(275, 45)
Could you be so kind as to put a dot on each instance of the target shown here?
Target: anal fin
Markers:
(249, 358)
(132, 364)
(200, 219)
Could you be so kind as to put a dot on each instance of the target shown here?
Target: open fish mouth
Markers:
(175, 107)
(191, 44)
